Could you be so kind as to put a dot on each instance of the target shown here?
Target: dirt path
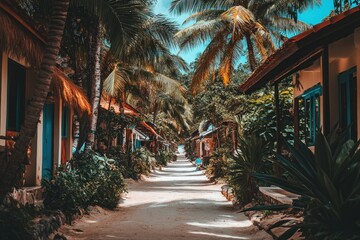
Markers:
(175, 203)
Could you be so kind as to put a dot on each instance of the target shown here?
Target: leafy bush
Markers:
(15, 222)
(251, 156)
(329, 183)
(142, 161)
(218, 165)
(161, 158)
(90, 179)
(165, 157)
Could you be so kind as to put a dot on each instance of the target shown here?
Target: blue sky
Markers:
(311, 16)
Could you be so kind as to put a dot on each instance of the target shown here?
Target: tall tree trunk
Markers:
(251, 53)
(155, 113)
(35, 106)
(95, 71)
(78, 81)
(109, 126)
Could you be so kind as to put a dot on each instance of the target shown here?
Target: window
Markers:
(309, 114)
(65, 122)
(15, 96)
(348, 103)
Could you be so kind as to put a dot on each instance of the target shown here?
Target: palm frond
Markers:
(115, 82)
(206, 15)
(192, 6)
(207, 60)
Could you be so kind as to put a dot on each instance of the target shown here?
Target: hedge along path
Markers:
(177, 202)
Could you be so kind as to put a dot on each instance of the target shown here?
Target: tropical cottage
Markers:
(137, 133)
(21, 50)
(323, 62)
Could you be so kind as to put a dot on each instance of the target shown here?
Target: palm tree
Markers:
(35, 105)
(225, 26)
(120, 19)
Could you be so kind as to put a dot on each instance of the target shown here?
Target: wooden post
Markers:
(277, 170)
(326, 98)
(296, 118)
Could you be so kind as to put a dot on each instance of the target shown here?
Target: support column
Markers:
(3, 96)
(296, 118)
(277, 170)
(326, 90)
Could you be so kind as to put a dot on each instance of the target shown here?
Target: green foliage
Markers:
(251, 156)
(142, 161)
(328, 181)
(90, 179)
(259, 114)
(164, 157)
(15, 222)
(218, 164)
(189, 153)
(161, 158)
(217, 102)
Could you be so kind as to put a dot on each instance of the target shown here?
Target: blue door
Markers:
(348, 102)
(48, 138)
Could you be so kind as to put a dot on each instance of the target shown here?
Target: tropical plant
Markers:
(16, 222)
(89, 179)
(142, 161)
(116, 16)
(252, 155)
(343, 5)
(224, 26)
(218, 164)
(328, 183)
(258, 115)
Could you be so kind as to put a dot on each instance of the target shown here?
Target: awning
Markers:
(299, 51)
(141, 135)
(206, 133)
(146, 128)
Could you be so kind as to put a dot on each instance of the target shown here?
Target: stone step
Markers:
(28, 195)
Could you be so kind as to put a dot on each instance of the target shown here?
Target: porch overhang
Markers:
(128, 109)
(145, 128)
(300, 51)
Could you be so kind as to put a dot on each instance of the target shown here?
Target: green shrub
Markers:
(90, 179)
(164, 157)
(251, 156)
(329, 183)
(15, 222)
(141, 161)
(161, 158)
(218, 164)
(171, 156)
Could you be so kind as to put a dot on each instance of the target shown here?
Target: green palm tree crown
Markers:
(230, 27)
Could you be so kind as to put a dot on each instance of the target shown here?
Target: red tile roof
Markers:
(301, 47)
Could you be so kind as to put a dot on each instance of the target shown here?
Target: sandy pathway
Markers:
(175, 203)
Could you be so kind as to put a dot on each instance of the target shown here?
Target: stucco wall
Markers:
(344, 54)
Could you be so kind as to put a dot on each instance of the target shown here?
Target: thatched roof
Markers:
(18, 37)
(70, 93)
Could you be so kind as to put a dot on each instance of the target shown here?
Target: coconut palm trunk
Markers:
(35, 106)
(78, 81)
(251, 52)
(95, 74)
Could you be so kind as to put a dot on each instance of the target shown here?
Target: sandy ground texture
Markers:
(177, 202)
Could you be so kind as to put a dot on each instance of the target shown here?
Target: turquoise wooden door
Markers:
(48, 140)
(348, 102)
